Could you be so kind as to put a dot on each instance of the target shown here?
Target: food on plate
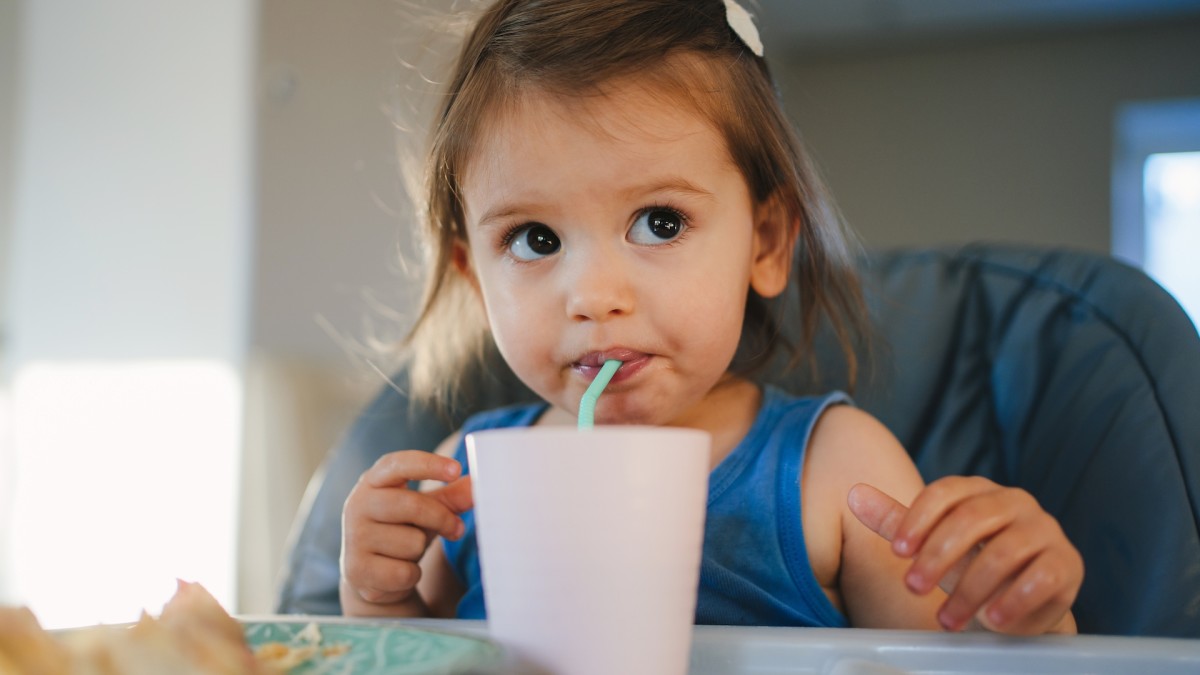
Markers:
(193, 635)
(306, 646)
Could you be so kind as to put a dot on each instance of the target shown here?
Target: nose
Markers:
(599, 285)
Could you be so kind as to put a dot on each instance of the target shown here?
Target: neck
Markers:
(727, 412)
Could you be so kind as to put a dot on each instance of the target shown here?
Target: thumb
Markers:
(455, 495)
(877, 510)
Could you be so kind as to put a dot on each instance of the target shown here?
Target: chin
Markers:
(628, 414)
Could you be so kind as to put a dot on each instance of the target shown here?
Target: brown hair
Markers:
(573, 48)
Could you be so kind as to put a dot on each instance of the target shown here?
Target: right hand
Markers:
(386, 528)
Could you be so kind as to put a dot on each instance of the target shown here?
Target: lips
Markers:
(597, 359)
(632, 361)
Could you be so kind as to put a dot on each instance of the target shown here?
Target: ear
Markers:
(460, 257)
(776, 228)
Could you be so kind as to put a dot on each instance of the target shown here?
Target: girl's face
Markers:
(616, 228)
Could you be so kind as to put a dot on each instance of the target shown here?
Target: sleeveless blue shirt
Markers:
(754, 569)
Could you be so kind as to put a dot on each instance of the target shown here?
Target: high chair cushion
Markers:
(1065, 373)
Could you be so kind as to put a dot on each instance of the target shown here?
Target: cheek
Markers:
(499, 303)
(516, 315)
(710, 307)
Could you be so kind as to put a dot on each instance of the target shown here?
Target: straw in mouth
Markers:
(587, 404)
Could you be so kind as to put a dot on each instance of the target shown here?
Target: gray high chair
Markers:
(1064, 373)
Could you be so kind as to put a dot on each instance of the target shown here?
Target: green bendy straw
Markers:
(587, 404)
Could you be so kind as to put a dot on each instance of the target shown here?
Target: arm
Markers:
(855, 565)
(387, 529)
(966, 550)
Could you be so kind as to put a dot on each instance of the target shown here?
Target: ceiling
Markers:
(843, 24)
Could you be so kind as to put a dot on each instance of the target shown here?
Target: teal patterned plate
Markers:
(381, 647)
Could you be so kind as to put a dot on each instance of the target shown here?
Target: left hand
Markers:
(999, 557)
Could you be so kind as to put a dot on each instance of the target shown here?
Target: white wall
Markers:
(128, 297)
(133, 194)
(8, 103)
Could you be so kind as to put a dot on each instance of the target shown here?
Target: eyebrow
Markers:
(498, 216)
(672, 184)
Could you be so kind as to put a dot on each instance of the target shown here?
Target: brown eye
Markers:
(534, 241)
(657, 226)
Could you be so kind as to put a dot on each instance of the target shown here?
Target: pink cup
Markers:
(589, 543)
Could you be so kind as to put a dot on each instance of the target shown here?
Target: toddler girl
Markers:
(615, 179)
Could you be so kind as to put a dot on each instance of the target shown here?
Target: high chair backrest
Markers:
(1065, 373)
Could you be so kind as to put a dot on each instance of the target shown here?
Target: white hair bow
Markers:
(743, 24)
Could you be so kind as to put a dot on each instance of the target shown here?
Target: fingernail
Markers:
(460, 529)
(852, 497)
(453, 469)
(915, 581)
(949, 621)
(996, 616)
(901, 546)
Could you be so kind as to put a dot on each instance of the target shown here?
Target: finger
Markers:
(402, 542)
(931, 506)
(407, 507)
(878, 511)
(1045, 619)
(397, 469)
(1037, 599)
(456, 496)
(990, 571)
(379, 579)
(969, 524)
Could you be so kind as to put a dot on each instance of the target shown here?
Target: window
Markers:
(1156, 195)
(1171, 189)
(128, 478)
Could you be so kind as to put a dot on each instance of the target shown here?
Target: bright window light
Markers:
(1172, 211)
(1156, 193)
(126, 477)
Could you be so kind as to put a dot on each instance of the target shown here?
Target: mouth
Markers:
(588, 365)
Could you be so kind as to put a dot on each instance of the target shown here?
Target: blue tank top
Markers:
(754, 569)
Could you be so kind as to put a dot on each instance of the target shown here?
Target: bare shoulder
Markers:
(849, 446)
